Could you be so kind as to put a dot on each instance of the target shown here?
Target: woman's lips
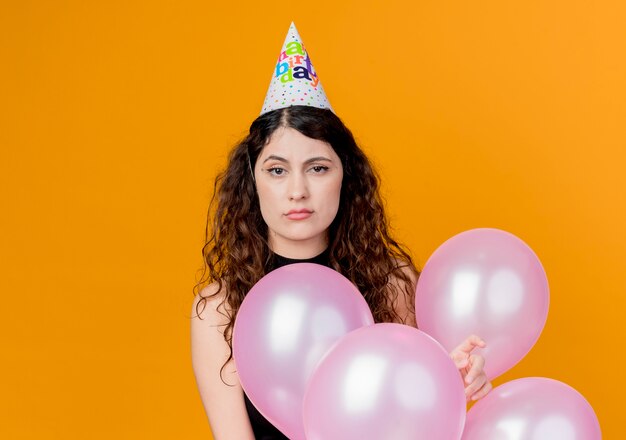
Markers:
(299, 215)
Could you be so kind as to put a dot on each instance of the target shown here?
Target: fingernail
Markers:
(469, 379)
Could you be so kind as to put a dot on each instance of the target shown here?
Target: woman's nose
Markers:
(298, 188)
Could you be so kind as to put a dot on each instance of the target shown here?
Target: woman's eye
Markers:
(319, 169)
(276, 171)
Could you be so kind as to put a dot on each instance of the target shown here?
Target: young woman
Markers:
(297, 188)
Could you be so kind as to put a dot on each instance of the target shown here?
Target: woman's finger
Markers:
(476, 365)
(461, 360)
(468, 345)
(475, 385)
(483, 391)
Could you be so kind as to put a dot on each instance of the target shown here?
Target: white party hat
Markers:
(295, 81)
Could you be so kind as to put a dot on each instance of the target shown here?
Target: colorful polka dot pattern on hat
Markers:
(295, 81)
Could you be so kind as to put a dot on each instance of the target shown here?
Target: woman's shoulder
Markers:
(401, 291)
(404, 271)
(210, 303)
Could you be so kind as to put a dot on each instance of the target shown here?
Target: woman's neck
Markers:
(298, 250)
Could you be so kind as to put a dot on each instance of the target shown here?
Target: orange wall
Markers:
(116, 115)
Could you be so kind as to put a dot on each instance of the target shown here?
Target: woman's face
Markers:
(298, 180)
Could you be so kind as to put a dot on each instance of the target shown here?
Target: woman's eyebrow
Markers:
(312, 159)
(317, 159)
(274, 157)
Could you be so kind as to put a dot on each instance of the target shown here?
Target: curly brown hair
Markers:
(236, 253)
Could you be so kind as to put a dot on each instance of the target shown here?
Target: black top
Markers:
(263, 429)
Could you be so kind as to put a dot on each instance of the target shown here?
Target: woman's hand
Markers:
(471, 366)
